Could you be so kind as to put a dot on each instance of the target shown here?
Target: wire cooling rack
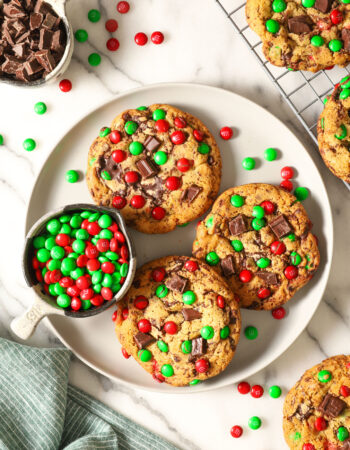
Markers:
(303, 91)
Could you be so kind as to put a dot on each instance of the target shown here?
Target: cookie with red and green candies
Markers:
(179, 320)
(333, 131)
(302, 34)
(158, 165)
(81, 259)
(316, 413)
(258, 237)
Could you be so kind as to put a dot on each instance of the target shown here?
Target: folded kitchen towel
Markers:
(39, 410)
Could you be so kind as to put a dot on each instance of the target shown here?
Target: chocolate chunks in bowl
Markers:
(32, 40)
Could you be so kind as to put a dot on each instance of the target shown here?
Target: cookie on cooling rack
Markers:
(302, 34)
(158, 165)
(179, 320)
(333, 131)
(258, 237)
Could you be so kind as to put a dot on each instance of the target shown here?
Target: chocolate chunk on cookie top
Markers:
(258, 238)
(316, 413)
(158, 165)
(179, 320)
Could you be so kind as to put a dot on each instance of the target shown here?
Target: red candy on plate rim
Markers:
(111, 25)
(278, 313)
(65, 85)
(123, 7)
(287, 185)
(141, 38)
(157, 37)
(243, 387)
(287, 173)
(226, 133)
(236, 431)
(257, 391)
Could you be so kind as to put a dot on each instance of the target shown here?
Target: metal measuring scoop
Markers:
(44, 304)
(59, 6)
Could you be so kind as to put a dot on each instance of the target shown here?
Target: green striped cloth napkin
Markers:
(39, 410)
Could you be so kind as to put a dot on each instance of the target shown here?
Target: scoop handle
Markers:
(25, 325)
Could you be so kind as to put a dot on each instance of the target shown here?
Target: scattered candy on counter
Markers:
(40, 108)
(236, 431)
(275, 391)
(81, 35)
(65, 85)
(112, 44)
(157, 37)
(141, 39)
(278, 313)
(72, 176)
(270, 154)
(94, 59)
(29, 144)
(111, 25)
(226, 133)
(257, 391)
(248, 163)
(123, 7)
(81, 259)
(243, 387)
(251, 332)
(94, 15)
(254, 423)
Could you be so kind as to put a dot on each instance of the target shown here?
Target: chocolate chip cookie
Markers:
(179, 320)
(258, 237)
(316, 413)
(158, 165)
(333, 131)
(302, 34)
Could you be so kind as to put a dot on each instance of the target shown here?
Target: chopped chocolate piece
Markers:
(177, 283)
(268, 277)
(227, 266)
(21, 74)
(49, 21)
(143, 339)
(20, 50)
(57, 41)
(345, 35)
(199, 346)
(146, 168)
(22, 37)
(11, 65)
(191, 314)
(303, 412)
(280, 226)
(42, 7)
(36, 20)
(191, 193)
(299, 25)
(8, 34)
(151, 143)
(332, 406)
(237, 225)
(32, 66)
(19, 27)
(323, 5)
(12, 10)
(46, 60)
(346, 445)
(45, 39)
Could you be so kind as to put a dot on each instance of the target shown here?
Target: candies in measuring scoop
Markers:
(81, 259)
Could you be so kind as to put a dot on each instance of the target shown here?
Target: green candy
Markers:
(65, 229)
(65, 218)
(72, 176)
(237, 201)
(85, 214)
(29, 144)
(158, 114)
(209, 222)
(92, 160)
(1, 139)
(39, 242)
(301, 193)
(342, 434)
(167, 370)
(85, 304)
(94, 15)
(97, 288)
(81, 35)
(107, 280)
(102, 259)
(212, 258)
(308, 3)
(186, 347)
(291, 237)
(63, 300)
(43, 255)
(124, 269)
(94, 216)
(275, 391)
(344, 94)
(324, 376)
(40, 108)
(248, 163)
(343, 134)
(106, 234)
(82, 234)
(182, 225)
(346, 2)
(335, 45)
(262, 263)
(207, 332)
(254, 423)
(317, 41)
(225, 332)
(94, 59)
(113, 256)
(53, 226)
(258, 212)
(237, 245)
(54, 264)
(76, 273)
(163, 347)
(295, 436)
(295, 258)
(115, 287)
(79, 246)
(52, 290)
(57, 252)
(325, 100)
(105, 175)
(257, 224)
(322, 123)
(96, 277)
(204, 149)
(194, 382)
(345, 82)
(144, 355)
(162, 291)
(160, 157)
(105, 221)
(135, 148)
(105, 131)
(44, 270)
(75, 221)
(189, 297)
(272, 26)
(251, 333)
(130, 127)
(270, 154)
(68, 264)
(279, 6)
(142, 108)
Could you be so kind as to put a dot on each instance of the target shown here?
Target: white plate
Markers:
(93, 339)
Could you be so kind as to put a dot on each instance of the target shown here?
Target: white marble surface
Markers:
(200, 47)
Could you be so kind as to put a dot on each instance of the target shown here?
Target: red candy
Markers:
(144, 326)
(173, 183)
(73, 291)
(287, 185)
(118, 156)
(112, 44)
(157, 37)
(158, 274)
(141, 302)
(170, 327)
(287, 173)
(344, 391)
(336, 17)
(83, 282)
(180, 122)
(107, 293)
(198, 135)
(39, 275)
(102, 245)
(47, 277)
(66, 282)
(93, 228)
(162, 125)
(277, 248)
(65, 85)
(35, 263)
(85, 224)
(264, 293)
(87, 294)
(123, 7)
(108, 267)
(257, 391)
(118, 202)
(226, 133)
(202, 365)
(125, 353)
(279, 313)
(93, 265)
(236, 431)
(62, 240)
(137, 201)
(75, 303)
(191, 265)
(119, 237)
(245, 276)
(124, 252)
(291, 272)
(158, 213)
(243, 387)
(114, 316)
(220, 301)
(178, 137)
(115, 137)
(269, 207)
(91, 252)
(141, 38)
(98, 299)
(183, 165)
(125, 313)
(131, 177)
(111, 25)
(308, 447)
(158, 377)
(82, 260)
(320, 424)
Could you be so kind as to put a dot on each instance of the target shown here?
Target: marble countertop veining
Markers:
(202, 47)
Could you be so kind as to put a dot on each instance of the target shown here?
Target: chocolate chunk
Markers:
(237, 225)
(46, 60)
(227, 266)
(151, 143)
(190, 194)
(20, 50)
(268, 277)
(299, 25)
(345, 35)
(19, 28)
(199, 346)
(143, 339)
(32, 66)
(42, 7)
(35, 20)
(21, 74)
(9, 34)
(57, 41)
(303, 412)
(177, 283)
(45, 39)
(12, 10)
(191, 314)
(323, 5)
(280, 226)
(23, 37)
(332, 406)
(11, 65)
(146, 167)
(49, 21)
